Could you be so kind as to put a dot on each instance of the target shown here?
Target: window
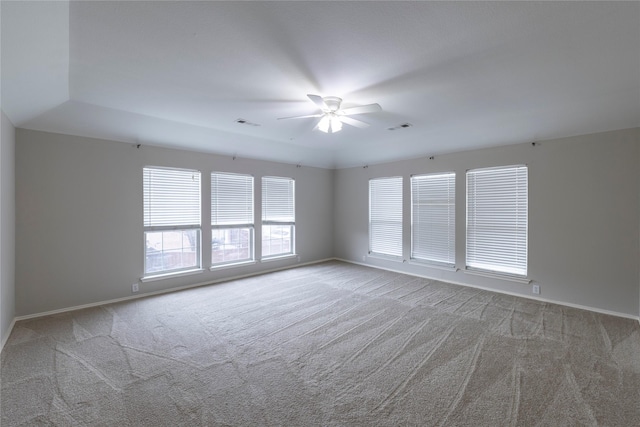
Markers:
(231, 218)
(278, 216)
(385, 216)
(497, 220)
(171, 220)
(433, 231)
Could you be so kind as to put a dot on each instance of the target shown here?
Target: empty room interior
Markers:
(320, 213)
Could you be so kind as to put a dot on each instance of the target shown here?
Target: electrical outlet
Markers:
(535, 289)
(364, 257)
(298, 258)
(134, 288)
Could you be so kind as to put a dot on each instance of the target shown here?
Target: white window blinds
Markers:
(497, 206)
(385, 216)
(171, 198)
(278, 200)
(433, 218)
(231, 199)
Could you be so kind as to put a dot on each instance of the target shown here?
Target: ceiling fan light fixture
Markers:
(332, 116)
(324, 124)
(336, 124)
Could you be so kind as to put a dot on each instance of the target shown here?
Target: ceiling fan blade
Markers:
(316, 99)
(354, 122)
(363, 109)
(300, 117)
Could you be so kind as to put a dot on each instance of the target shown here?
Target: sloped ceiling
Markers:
(178, 74)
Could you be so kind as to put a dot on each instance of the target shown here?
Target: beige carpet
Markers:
(331, 344)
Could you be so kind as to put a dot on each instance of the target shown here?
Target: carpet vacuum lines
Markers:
(330, 344)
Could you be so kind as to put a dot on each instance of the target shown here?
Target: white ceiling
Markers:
(464, 74)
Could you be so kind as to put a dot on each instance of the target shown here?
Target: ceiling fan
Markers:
(333, 116)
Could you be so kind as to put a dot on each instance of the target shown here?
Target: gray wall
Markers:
(7, 227)
(80, 235)
(79, 226)
(584, 207)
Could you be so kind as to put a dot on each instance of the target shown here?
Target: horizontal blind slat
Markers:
(497, 219)
(278, 199)
(278, 216)
(171, 197)
(385, 216)
(433, 218)
(231, 199)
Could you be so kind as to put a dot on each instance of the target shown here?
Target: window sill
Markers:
(171, 275)
(426, 264)
(385, 257)
(501, 276)
(232, 265)
(279, 257)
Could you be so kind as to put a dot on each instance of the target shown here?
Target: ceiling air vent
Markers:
(401, 126)
(246, 122)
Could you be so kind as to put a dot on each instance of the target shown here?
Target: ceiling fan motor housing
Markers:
(332, 103)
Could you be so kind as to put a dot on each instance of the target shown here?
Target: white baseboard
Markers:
(566, 304)
(164, 291)
(6, 337)
(226, 279)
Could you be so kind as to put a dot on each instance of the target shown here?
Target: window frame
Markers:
(500, 262)
(381, 188)
(276, 217)
(245, 213)
(443, 249)
(157, 223)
